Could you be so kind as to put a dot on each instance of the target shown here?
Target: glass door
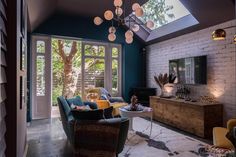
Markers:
(101, 67)
(41, 78)
(93, 66)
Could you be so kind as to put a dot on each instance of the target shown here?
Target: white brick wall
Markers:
(221, 81)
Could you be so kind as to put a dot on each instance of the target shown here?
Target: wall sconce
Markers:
(220, 34)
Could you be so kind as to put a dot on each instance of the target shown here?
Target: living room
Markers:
(118, 78)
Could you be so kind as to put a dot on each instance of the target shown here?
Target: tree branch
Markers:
(61, 50)
(73, 50)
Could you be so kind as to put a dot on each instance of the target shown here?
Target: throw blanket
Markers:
(96, 139)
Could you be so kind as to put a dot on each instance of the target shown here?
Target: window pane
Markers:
(40, 70)
(94, 73)
(40, 46)
(101, 51)
(92, 50)
(162, 12)
(115, 76)
(115, 52)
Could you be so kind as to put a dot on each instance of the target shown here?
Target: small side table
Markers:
(147, 112)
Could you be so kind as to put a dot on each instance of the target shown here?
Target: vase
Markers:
(162, 93)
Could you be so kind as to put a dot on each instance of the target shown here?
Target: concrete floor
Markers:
(46, 138)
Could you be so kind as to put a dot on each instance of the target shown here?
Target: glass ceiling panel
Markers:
(162, 12)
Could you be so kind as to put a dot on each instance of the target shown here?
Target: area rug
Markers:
(163, 142)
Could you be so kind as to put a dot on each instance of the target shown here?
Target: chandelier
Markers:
(119, 16)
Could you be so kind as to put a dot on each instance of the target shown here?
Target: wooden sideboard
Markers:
(194, 117)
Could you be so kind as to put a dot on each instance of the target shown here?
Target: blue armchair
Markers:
(81, 133)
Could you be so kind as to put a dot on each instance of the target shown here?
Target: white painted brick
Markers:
(221, 62)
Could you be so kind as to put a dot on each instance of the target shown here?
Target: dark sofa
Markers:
(69, 123)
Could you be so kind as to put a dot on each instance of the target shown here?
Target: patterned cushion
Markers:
(87, 115)
(75, 101)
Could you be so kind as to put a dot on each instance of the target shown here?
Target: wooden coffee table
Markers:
(147, 112)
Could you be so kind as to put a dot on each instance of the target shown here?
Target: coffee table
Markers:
(147, 112)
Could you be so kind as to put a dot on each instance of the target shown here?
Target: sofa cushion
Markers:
(88, 115)
(75, 101)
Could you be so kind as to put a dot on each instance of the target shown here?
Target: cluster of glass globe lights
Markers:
(109, 16)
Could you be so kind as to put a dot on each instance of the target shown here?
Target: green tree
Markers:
(66, 56)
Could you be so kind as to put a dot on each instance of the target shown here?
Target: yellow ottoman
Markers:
(220, 139)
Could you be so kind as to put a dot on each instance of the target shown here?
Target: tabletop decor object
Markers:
(161, 80)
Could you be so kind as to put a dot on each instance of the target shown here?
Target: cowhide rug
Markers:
(163, 142)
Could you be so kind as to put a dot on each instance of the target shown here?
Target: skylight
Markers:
(162, 12)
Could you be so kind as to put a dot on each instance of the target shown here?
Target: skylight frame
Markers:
(179, 4)
(148, 35)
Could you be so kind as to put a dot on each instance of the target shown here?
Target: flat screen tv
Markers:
(192, 70)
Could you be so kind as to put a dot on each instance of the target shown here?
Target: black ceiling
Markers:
(207, 12)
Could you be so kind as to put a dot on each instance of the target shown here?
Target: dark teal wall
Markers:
(79, 27)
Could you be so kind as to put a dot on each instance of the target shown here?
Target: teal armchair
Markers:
(73, 127)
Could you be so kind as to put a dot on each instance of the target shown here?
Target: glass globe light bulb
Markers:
(118, 3)
(135, 6)
(111, 37)
(150, 24)
(119, 11)
(135, 28)
(139, 12)
(97, 21)
(129, 40)
(129, 34)
(108, 15)
(112, 29)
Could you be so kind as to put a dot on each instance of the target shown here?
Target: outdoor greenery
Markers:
(157, 11)
(67, 73)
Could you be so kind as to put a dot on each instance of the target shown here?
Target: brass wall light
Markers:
(220, 34)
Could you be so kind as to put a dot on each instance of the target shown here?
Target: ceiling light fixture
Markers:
(121, 19)
(220, 34)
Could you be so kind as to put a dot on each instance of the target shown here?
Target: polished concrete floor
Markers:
(46, 138)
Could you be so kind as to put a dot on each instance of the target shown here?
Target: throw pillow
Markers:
(81, 108)
(108, 112)
(87, 115)
(103, 97)
(116, 99)
(75, 101)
